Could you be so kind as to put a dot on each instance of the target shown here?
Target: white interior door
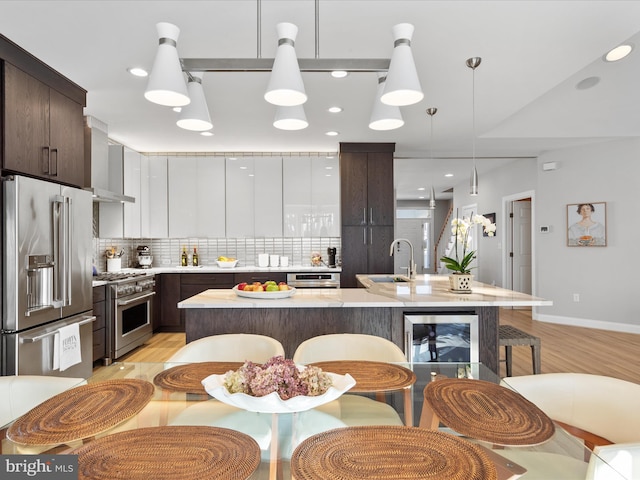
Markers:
(521, 264)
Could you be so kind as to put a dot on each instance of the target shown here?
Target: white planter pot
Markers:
(460, 282)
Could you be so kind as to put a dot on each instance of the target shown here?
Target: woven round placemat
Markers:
(81, 412)
(371, 376)
(487, 411)
(170, 453)
(188, 378)
(383, 452)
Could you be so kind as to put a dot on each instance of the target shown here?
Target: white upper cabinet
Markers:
(156, 224)
(132, 188)
(240, 195)
(296, 196)
(325, 196)
(267, 196)
(254, 196)
(311, 196)
(196, 196)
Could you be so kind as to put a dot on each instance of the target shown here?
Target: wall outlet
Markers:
(576, 297)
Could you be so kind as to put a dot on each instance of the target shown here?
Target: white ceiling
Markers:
(534, 53)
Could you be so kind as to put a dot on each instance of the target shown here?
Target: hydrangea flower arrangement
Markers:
(277, 375)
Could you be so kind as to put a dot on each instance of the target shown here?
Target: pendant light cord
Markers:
(473, 113)
(317, 11)
(259, 28)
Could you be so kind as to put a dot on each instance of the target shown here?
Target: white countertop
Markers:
(424, 291)
(237, 269)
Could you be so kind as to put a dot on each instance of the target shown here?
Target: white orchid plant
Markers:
(460, 228)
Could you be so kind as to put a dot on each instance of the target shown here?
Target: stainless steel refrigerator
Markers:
(46, 276)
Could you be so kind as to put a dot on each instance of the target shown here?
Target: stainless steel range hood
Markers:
(100, 195)
(102, 178)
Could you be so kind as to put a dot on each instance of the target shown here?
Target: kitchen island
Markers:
(378, 309)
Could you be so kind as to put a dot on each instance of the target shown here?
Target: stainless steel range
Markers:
(129, 311)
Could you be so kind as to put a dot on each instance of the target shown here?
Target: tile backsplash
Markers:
(166, 251)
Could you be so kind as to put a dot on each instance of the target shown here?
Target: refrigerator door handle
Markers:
(62, 250)
(57, 205)
(67, 245)
(37, 338)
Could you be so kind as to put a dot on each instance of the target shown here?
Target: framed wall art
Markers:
(492, 218)
(587, 224)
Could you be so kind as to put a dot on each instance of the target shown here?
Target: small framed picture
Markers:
(587, 224)
(492, 218)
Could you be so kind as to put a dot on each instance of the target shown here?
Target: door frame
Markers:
(506, 238)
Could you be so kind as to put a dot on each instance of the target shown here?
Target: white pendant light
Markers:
(166, 85)
(431, 112)
(402, 86)
(473, 63)
(285, 85)
(290, 118)
(384, 117)
(195, 116)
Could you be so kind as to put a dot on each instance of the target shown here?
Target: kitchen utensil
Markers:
(332, 256)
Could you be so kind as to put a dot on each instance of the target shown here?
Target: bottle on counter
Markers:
(184, 260)
(195, 259)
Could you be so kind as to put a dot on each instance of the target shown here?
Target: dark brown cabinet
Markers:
(367, 209)
(43, 130)
(99, 325)
(175, 287)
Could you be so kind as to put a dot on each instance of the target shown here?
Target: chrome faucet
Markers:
(411, 269)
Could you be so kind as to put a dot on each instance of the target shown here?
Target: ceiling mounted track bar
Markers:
(266, 64)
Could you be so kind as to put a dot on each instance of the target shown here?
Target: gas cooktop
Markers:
(116, 276)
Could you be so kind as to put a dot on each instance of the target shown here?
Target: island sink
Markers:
(388, 278)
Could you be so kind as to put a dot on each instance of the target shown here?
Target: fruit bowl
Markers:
(271, 295)
(272, 403)
(229, 264)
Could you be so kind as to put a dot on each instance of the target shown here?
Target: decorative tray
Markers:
(270, 295)
(272, 403)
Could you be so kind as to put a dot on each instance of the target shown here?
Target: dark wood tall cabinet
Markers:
(367, 209)
(42, 119)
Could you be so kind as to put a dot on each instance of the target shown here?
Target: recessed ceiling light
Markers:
(232, 158)
(328, 168)
(206, 134)
(243, 167)
(618, 53)
(448, 174)
(332, 133)
(137, 72)
(339, 73)
(177, 109)
(421, 189)
(420, 198)
(335, 109)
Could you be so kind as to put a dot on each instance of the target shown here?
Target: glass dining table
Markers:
(160, 411)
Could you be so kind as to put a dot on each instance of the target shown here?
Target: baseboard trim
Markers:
(586, 323)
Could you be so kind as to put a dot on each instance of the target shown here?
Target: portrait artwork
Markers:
(587, 224)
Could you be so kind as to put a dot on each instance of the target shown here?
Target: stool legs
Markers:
(535, 357)
(508, 358)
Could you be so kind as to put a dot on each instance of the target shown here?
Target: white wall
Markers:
(514, 178)
(605, 278)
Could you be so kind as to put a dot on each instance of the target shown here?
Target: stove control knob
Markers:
(138, 288)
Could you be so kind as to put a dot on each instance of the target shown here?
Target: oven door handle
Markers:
(124, 303)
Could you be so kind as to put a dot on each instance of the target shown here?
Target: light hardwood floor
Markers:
(564, 349)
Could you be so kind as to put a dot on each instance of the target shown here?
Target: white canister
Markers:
(114, 264)
(274, 260)
(284, 261)
(263, 259)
